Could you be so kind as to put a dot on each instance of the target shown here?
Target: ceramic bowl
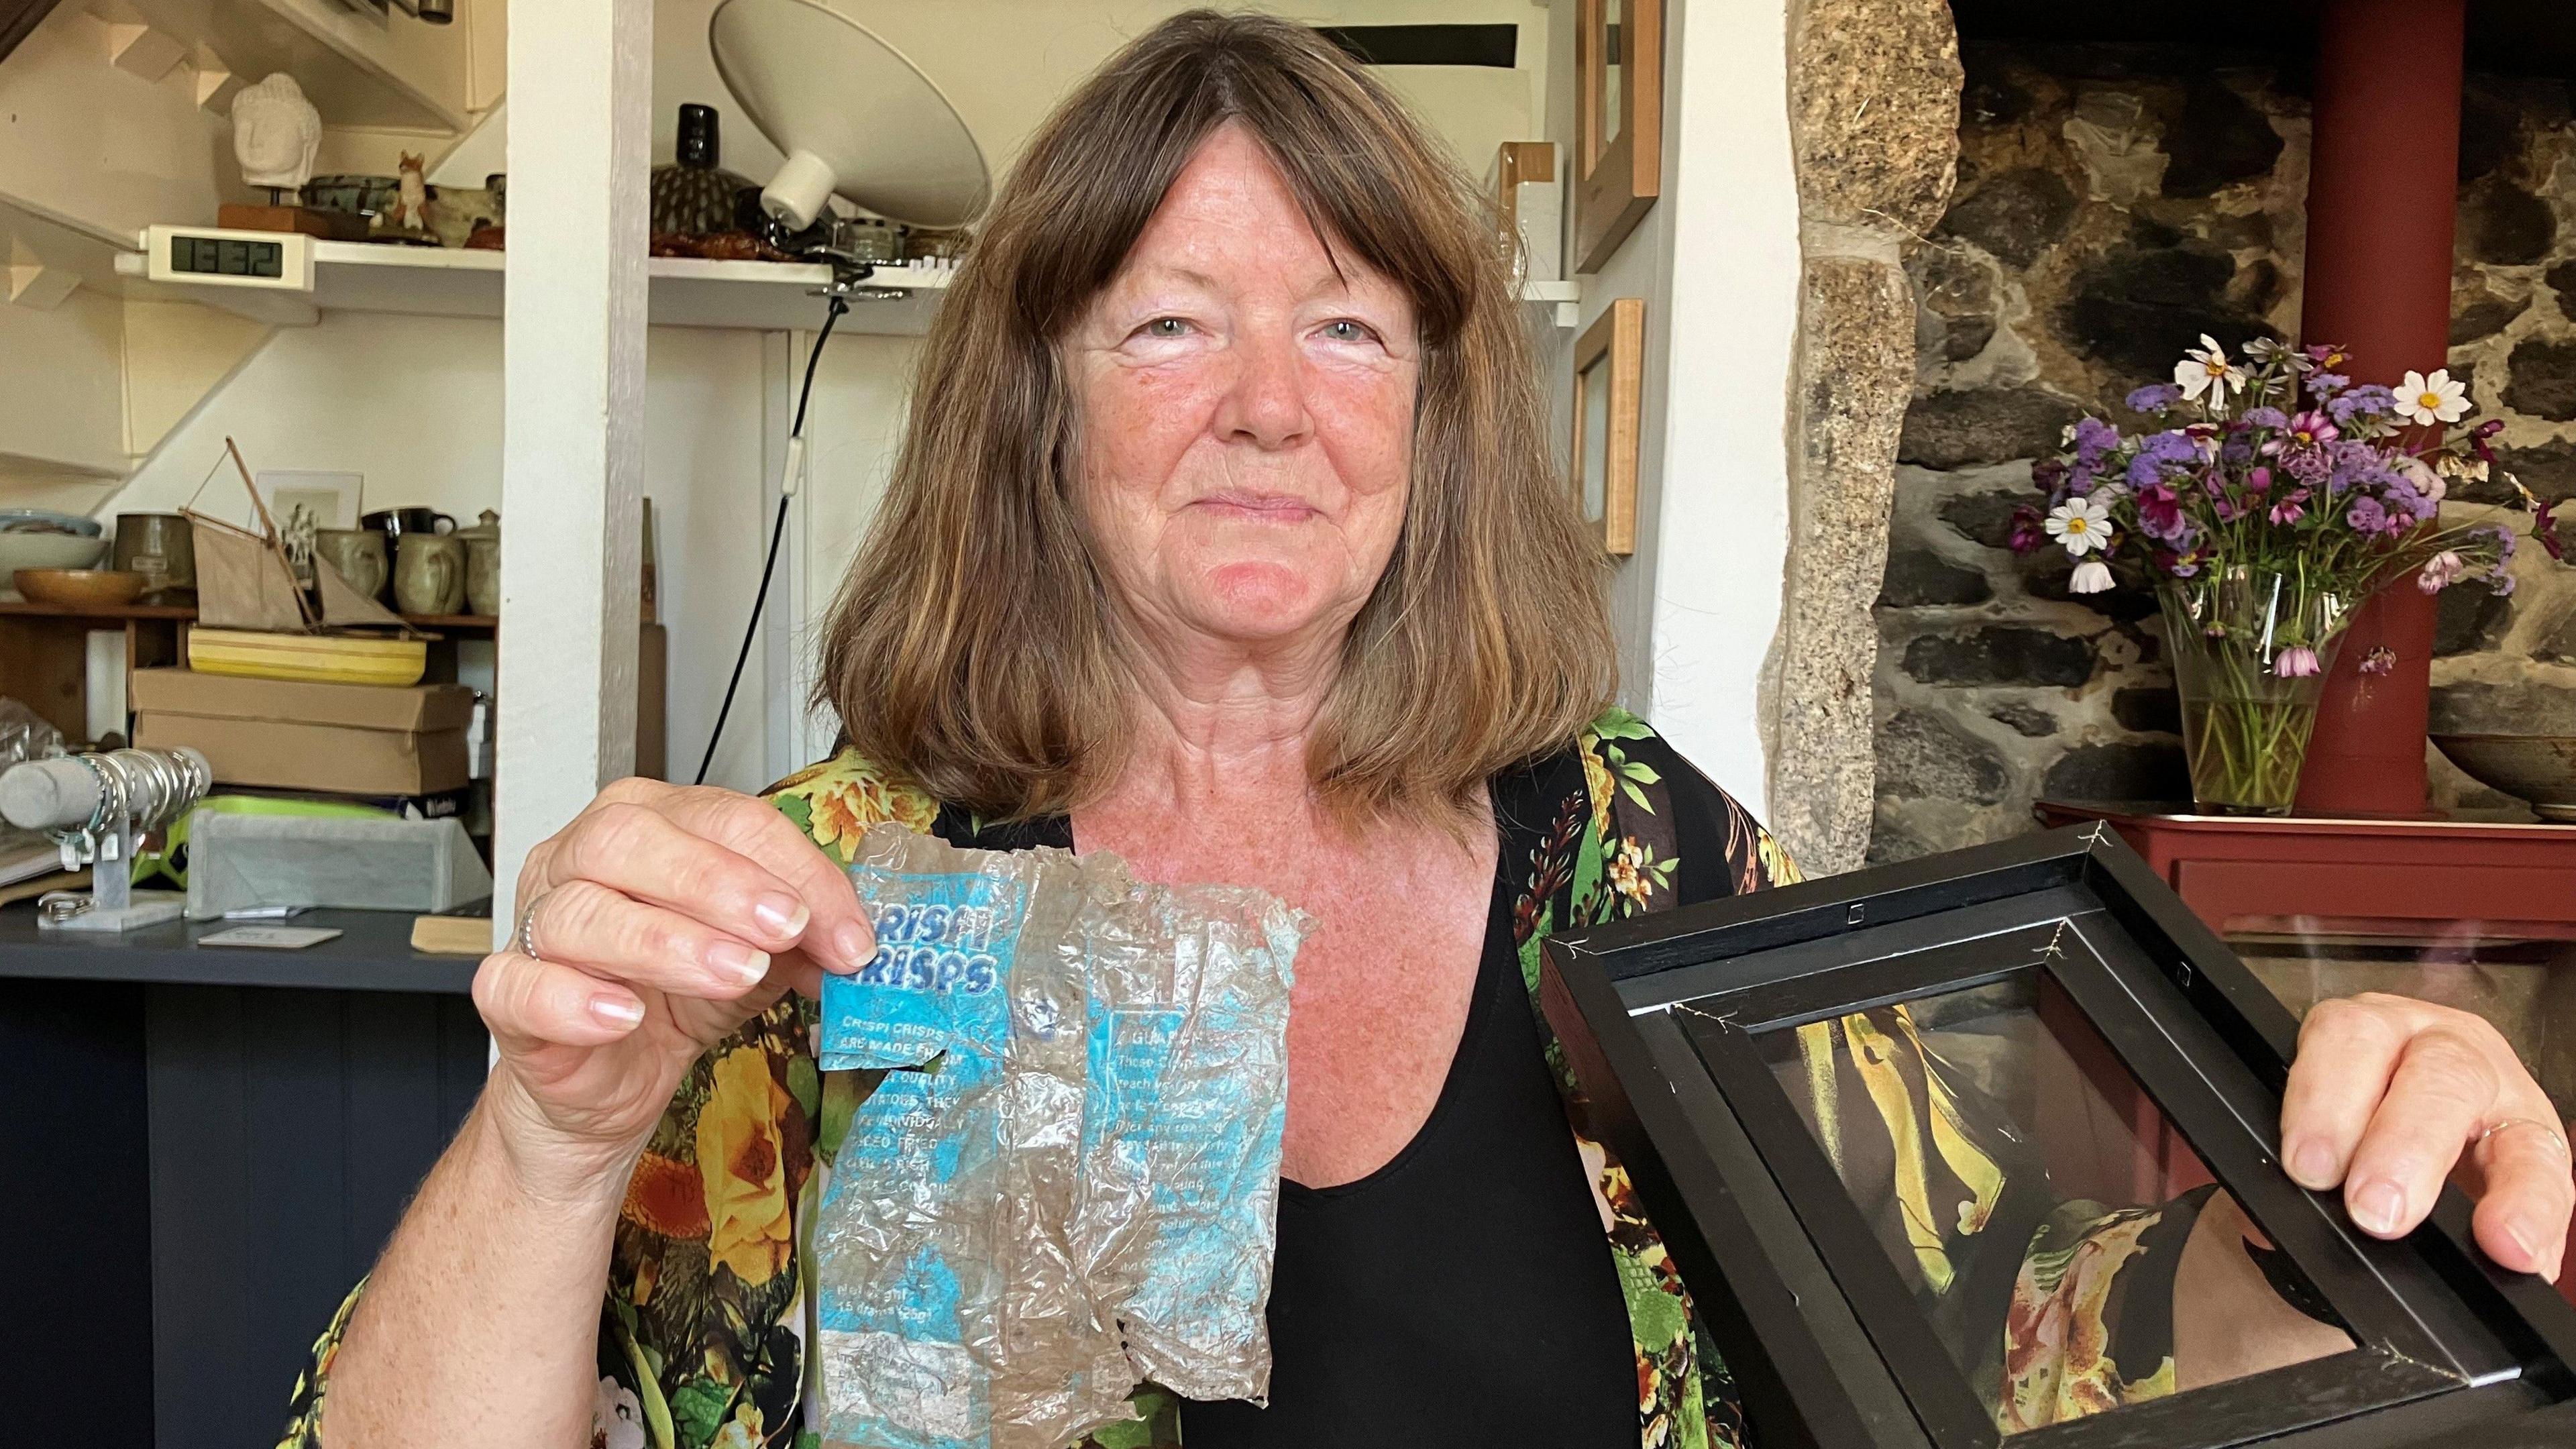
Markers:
(357, 195)
(78, 588)
(45, 551)
(45, 520)
(2540, 769)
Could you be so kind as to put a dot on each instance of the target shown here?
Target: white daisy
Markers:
(2205, 368)
(2425, 401)
(2091, 577)
(2081, 524)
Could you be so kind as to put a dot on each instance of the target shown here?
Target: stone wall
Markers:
(1874, 120)
(2113, 203)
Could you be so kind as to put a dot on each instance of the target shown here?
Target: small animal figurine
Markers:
(411, 201)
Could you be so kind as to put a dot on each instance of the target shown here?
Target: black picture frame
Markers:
(1658, 1018)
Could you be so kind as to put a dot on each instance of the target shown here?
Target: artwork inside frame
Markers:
(1619, 122)
(2079, 1064)
(305, 503)
(1609, 397)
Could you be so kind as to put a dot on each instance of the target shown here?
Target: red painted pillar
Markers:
(2381, 187)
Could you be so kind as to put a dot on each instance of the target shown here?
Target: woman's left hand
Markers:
(2389, 1094)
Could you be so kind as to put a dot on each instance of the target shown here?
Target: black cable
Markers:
(777, 533)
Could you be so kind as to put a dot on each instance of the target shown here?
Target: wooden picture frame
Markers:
(1609, 394)
(1619, 122)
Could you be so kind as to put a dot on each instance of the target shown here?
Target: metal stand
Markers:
(111, 903)
(96, 807)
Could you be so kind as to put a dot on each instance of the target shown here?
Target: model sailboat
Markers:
(246, 581)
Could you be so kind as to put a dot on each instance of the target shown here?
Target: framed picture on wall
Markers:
(1609, 390)
(304, 503)
(1619, 125)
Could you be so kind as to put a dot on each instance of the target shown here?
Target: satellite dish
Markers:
(854, 116)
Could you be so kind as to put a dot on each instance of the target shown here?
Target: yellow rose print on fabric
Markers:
(750, 1229)
(836, 802)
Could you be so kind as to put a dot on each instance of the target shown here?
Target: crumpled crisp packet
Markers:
(1068, 1183)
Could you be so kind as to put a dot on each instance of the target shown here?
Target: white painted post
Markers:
(572, 416)
(1730, 336)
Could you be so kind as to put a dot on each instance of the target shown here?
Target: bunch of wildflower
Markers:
(2277, 462)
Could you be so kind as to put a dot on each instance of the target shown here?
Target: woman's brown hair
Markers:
(971, 646)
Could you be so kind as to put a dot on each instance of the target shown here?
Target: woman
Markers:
(1224, 537)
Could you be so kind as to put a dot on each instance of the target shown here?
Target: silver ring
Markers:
(524, 939)
(2554, 1135)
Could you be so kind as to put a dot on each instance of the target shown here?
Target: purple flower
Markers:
(2047, 474)
(2324, 385)
(2259, 480)
(2500, 583)
(2367, 516)
(2093, 438)
(2154, 398)
(2367, 401)
(2297, 662)
(2264, 417)
(2380, 660)
(2504, 544)
(2414, 505)
(2026, 535)
(2160, 453)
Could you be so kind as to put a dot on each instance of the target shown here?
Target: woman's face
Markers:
(1247, 415)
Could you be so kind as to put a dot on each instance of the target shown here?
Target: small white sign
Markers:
(271, 938)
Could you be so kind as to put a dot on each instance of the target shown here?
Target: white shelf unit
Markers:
(359, 67)
(686, 291)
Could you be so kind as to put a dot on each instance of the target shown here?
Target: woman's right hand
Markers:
(663, 917)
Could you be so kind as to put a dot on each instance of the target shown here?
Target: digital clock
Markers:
(224, 257)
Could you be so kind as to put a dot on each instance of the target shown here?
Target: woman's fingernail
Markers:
(737, 962)
(2313, 1164)
(779, 915)
(853, 944)
(2379, 1206)
(616, 1010)
(2526, 1242)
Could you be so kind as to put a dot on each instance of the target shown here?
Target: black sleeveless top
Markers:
(1462, 1294)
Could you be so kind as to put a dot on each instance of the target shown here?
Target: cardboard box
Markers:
(353, 738)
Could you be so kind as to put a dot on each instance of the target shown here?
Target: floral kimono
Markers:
(703, 1331)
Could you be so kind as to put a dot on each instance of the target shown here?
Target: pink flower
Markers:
(2311, 429)
(2290, 509)
(2379, 661)
(2441, 571)
(2297, 662)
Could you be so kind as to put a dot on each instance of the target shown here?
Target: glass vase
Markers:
(2251, 650)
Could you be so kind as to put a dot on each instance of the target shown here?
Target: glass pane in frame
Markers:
(1592, 464)
(1605, 120)
(2070, 1249)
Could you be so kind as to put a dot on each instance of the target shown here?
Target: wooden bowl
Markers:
(79, 588)
(2540, 769)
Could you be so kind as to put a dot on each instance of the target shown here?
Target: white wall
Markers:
(1005, 63)
(414, 403)
(1716, 261)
